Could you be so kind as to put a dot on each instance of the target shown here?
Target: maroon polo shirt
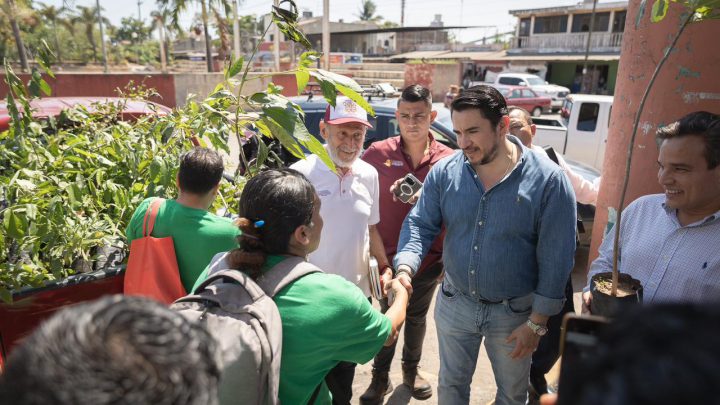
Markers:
(393, 163)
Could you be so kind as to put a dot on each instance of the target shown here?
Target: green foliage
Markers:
(69, 186)
(133, 30)
(701, 9)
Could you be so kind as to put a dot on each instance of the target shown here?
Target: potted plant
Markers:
(613, 290)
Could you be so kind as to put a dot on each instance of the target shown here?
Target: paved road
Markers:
(483, 385)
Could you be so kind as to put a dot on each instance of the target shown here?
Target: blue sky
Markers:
(417, 12)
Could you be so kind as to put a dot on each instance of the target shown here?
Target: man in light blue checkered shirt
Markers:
(671, 242)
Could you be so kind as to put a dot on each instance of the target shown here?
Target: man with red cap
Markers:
(350, 208)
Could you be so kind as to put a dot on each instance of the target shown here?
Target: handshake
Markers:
(382, 283)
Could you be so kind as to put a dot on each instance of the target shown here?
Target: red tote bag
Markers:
(152, 269)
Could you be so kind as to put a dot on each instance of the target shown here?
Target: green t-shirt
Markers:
(325, 320)
(197, 235)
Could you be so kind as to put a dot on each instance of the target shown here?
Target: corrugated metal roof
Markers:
(560, 58)
(418, 54)
(487, 55)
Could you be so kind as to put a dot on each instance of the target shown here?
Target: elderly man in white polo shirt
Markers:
(350, 210)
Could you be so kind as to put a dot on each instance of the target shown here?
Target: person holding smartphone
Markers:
(409, 157)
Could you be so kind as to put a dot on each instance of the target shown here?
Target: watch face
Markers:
(541, 331)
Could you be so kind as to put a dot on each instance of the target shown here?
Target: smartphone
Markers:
(407, 188)
(579, 335)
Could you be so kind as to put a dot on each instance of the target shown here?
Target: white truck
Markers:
(581, 132)
(542, 88)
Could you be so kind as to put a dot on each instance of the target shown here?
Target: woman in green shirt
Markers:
(325, 319)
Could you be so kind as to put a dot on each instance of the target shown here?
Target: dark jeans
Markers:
(339, 381)
(548, 350)
(423, 288)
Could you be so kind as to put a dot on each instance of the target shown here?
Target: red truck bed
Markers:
(33, 305)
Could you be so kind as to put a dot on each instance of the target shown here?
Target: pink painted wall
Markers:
(98, 84)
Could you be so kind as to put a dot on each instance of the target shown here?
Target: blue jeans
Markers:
(462, 323)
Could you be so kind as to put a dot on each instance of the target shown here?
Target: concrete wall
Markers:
(436, 77)
(687, 82)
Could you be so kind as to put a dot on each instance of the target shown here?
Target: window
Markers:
(619, 21)
(515, 94)
(549, 25)
(527, 93)
(512, 81)
(587, 119)
(581, 22)
(524, 27)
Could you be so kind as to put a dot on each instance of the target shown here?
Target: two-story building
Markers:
(551, 42)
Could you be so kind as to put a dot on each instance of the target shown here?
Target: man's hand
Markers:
(402, 275)
(526, 341)
(586, 302)
(412, 199)
(385, 279)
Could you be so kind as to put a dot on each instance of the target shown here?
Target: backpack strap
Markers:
(151, 215)
(284, 274)
(233, 276)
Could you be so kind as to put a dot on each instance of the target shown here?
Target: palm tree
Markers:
(11, 10)
(52, 14)
(367, 11)
(88, 17)
(176, 7)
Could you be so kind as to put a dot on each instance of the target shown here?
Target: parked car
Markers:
(53, 106)
(526, 98)
(583, 133)
(556, 93)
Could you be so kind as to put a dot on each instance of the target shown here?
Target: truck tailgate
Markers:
(31, 306)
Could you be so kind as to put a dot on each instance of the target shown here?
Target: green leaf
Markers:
(284, 137)
(44, 54)
(659, 10)
(336, 79)
(286, 21)
(356, 97)
(302, 77)
(45, 87)
(235, 68)
(329, 92)
(14, 224)
(263, 152)
(309, 59)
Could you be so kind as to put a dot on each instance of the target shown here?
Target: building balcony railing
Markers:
(567, 42)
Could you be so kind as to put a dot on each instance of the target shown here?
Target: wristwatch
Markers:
(399, 271)
(540, 330)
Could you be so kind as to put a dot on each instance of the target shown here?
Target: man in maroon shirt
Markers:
(413, 151)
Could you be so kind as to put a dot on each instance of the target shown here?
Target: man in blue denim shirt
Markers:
(509, 216)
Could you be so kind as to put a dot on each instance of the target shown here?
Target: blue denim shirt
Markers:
(515, 239)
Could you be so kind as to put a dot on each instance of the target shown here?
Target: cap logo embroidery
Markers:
(350, 106)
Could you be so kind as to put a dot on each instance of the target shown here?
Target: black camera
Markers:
(407, 188)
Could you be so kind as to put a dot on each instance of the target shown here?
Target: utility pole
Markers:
(276, 43)
(584, 86)
(236, 31)
(163, 57)
(139, 15)
(326, 35)
(102, 37)
(402, 13)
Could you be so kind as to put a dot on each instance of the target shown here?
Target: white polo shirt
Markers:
(349, 204)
